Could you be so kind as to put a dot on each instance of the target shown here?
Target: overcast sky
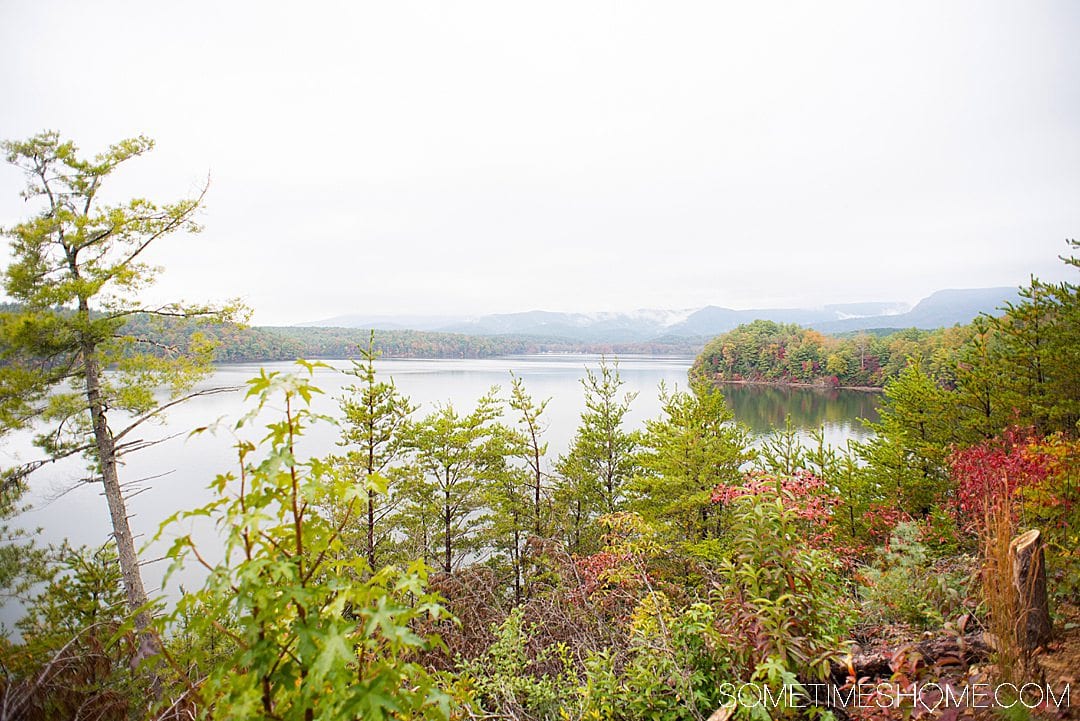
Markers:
(470, 157)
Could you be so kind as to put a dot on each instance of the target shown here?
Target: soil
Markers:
(1060, 660)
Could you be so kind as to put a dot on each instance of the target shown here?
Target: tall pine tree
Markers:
(69, 357)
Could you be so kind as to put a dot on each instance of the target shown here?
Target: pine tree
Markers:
(518, 497)
(459, 457)
(531, 449)
(375, 416)
(980, 381)
(684, 454)
(594, 472)
(1024, 334)
(68, 357)
(909, 450)
(1062, 366)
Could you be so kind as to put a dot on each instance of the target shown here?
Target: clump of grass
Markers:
(1004, 604)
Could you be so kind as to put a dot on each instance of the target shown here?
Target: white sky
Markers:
(446, 157)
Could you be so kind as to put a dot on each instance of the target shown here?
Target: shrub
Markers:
(787, 596)
(671, 669)
(906, 584)
(507, 681)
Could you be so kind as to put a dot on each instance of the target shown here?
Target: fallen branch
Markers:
(951, 650)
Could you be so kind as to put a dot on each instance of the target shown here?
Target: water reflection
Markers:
(763, 407)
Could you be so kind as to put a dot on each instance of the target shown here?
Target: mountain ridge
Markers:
(941, 308)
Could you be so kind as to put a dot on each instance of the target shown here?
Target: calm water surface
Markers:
(764, 407)
(175, 474)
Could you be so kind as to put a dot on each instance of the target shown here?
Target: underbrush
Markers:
(774, 611)
(907, 583)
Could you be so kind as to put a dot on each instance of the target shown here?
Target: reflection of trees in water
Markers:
(762, 407)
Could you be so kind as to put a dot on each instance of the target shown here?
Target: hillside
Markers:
(938, 310)
(238, 344)
(769, 352)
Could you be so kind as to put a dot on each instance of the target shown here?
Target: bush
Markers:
(907, 585)
(671, 670)
(788, 597)
(777, 614)
(506, 680)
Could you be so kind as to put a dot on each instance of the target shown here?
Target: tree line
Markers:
(237, 343)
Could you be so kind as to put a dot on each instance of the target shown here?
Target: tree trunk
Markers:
(539, 480)
(125, 542)
(371, 530)
(515, 559)
(448, 545)
(370, 490)
(1033, 627)
(577, 525)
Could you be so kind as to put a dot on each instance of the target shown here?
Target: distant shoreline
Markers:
(687, 357)
(795, 384)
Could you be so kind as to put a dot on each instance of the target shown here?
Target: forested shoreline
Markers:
(784, 353)
(252, 344)
(446, 565)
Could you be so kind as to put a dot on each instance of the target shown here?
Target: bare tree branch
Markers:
(162, 408)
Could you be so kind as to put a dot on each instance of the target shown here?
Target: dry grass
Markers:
(1004, 609)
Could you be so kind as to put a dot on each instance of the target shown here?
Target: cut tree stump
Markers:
(1033, 627)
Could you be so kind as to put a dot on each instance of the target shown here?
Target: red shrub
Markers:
(995, 473)
(806, 494)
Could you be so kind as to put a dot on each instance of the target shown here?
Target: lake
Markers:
(175, 474)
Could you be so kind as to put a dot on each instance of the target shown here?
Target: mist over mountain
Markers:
(943, 308)
(940, 309)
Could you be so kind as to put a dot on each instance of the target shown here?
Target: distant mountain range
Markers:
(943, 308)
